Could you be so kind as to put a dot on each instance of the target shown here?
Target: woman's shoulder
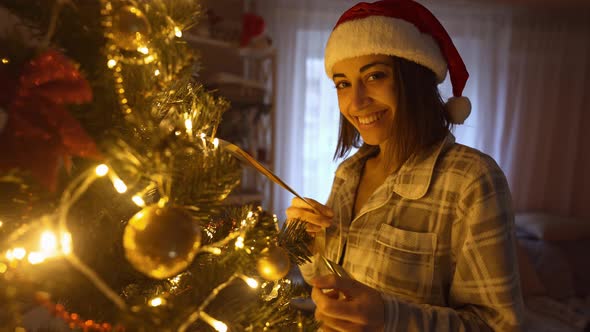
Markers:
(468, 162)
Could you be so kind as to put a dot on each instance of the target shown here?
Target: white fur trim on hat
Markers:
(384, 35)
(458, 109)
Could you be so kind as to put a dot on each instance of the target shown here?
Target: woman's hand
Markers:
(315, 221)
(362, 309)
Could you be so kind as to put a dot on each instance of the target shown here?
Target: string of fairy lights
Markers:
(55, 244)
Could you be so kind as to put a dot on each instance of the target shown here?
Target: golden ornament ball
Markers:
(131, 28)
(161, 241)
(274, 264)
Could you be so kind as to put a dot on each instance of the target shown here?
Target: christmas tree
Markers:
(113, 182)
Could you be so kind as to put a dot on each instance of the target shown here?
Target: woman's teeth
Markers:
(365, 120)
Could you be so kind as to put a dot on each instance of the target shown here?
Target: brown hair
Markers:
(420, 119)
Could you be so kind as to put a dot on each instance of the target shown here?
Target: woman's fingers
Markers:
(308, 216)
(311, 228)
(315, 206)
(317, 216)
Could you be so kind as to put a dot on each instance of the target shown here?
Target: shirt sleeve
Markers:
(485, 292)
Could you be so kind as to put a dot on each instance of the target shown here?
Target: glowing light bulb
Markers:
(48, 243)
(177, 32)
(240, 242)
(5, 60)
(19, 253)
(215, 143)
(189, 126)
(149, 59)
(157, 301)
(111, 63)
(157, 72)
(36, 258)
(143, 50)
(251, 282)
(66, 243)
(120, 186)
(138, 201)
(102, 170)
(219, 326)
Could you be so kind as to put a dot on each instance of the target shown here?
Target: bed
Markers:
(554, 263)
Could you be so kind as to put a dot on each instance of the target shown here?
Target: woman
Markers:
(424, 226)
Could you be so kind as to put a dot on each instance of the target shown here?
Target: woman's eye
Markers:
(375, 76)
(341, 85)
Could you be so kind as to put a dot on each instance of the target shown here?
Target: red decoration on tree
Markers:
(40, 134)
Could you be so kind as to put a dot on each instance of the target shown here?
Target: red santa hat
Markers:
(405, 29)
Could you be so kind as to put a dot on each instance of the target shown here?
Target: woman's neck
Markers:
(385, 160)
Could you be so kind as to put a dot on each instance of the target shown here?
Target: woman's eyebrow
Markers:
(367, 66)
(363, 68)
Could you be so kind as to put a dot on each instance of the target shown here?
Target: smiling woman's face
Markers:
(366, 95)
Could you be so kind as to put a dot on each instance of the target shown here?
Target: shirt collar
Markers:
(412, 180)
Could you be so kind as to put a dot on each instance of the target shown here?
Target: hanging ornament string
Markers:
(76, 188)
(73, 319)
(125, 28)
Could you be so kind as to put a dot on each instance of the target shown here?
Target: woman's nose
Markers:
(359, 98)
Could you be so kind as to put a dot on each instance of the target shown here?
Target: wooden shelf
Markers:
(246, 77)
(246, 52)
(232, 79)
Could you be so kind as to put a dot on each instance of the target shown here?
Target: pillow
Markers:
(549, 227)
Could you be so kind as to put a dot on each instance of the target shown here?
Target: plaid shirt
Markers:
(436, 239)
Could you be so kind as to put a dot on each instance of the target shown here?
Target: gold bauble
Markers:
(161, 241)
(274, 264)
(131, 29)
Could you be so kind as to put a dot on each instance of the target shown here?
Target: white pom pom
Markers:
(458, 109)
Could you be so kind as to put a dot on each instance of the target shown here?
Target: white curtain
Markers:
(529, 80)
(530, 75)
(307, 112)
